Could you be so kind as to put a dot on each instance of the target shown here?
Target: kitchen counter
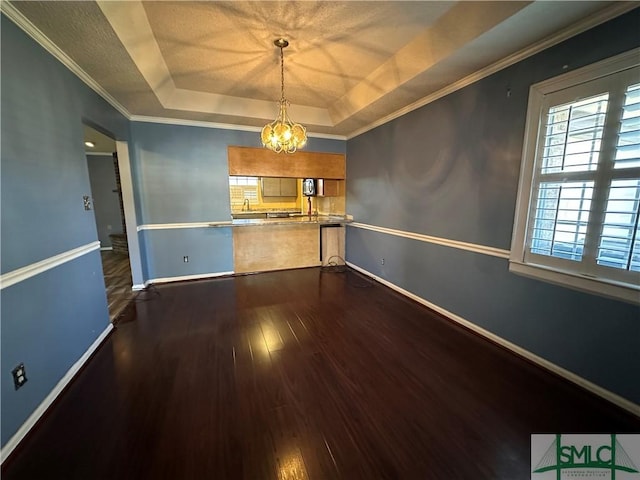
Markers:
(291, 220)
(287, 242)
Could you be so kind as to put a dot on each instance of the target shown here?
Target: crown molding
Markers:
(619, 8)
(131, 25)
(193, 123)
(326, 135)
(13, 14)
(222, 126)
(585, 24)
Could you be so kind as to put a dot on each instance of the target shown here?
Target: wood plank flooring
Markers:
(300, 374)
(117, 279)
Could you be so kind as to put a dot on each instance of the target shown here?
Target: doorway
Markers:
(106, 192)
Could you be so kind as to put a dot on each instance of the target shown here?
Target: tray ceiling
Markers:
(349, 64)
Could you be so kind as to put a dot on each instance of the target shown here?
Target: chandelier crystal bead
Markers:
(283, 135)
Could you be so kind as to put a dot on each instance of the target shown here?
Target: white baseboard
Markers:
(184, 277)
(572, 377)
(141, 286)
(53, 394)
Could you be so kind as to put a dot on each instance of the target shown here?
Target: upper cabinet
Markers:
(279, 187)
(288, 187)
(329, 188)
(261, 162)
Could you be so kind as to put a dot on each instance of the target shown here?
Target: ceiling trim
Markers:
(22, 22)
(591, 21)
(573, 30)
(460, 24)
(221, 126)
(13, 14)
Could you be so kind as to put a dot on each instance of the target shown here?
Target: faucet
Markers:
(246, 203)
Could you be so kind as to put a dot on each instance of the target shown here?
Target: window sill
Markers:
(598, 286)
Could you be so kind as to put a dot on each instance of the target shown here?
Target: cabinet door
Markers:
(289, 187)
(331, 188)
(270, 187)
(328, 188)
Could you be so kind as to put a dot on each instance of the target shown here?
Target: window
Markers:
(242, 189)
(578, 208)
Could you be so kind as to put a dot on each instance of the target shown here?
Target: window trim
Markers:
(537, 93)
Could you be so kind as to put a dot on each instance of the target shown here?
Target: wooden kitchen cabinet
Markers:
(279, 187)
(262, 162)
(288, 187)
(328, 188)
(270, 187)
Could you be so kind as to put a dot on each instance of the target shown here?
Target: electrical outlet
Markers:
(382, 261)
(19, 376)
(185, 259)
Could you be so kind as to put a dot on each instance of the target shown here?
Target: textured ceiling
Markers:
(239, 59)
(349, 64)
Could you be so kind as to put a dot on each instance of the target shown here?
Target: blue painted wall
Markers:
(450, 169)
(210, 250)
(181, 176)
(49, 320)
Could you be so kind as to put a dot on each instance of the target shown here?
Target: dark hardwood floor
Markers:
(117, 279)
(300, 374)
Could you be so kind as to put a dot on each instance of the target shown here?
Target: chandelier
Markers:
(283, 135)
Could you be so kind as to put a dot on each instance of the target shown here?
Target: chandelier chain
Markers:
(282, 75)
